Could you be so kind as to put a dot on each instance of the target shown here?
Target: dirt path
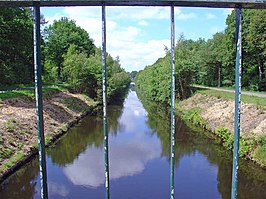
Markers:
(231, 91)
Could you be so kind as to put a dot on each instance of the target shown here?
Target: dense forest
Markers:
(211, 62)
(69, 56)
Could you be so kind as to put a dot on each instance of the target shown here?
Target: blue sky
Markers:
(138, 34)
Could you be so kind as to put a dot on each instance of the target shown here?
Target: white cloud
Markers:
(124, 40)
(121, 41)
(210, 16)
(94, 12)
(127, 158)
(138, 13)
(57, 189)
(143, 23)
(136, 55)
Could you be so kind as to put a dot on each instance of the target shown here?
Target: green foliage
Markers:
(211, 62)
(117, 85)
(155, 80)
(84, 74)
(223, 133)
(29, 93)
(217, 60)
(58, 38)
(77, 71)
(193, 115)
(70, 57)
(133, 75)
(50, 71)
(16, 51)
(246, 145)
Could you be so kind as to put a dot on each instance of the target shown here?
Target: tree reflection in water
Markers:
(139, 160)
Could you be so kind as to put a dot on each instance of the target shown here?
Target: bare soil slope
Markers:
(220, 113)
(18, 129)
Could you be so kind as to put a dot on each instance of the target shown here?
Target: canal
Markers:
(139, 161)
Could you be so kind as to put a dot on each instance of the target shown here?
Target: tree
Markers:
(212, 60)
(154, 81)
(16, 46)
(79, 72)
(59, 36)
(254, 45)
(185, 66)
(255, 39)
(133, 75)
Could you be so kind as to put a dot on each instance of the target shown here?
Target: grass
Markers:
(29, 93)
(11, 161)
(233, 88)
(15, 86)
(244, 98)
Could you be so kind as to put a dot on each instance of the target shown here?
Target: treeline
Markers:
(16, 46)
(211, 62)
(69, 56)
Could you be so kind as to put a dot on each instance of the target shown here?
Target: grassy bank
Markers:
(29, 92)
(18, 130)
(214, 111)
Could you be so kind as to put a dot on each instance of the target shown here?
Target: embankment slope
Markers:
(217, 115)
(18, 129)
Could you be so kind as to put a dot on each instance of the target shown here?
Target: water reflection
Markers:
(139, 160)
(89, 132)
(57, 189)
(126, 159)
(22, 184)
(203, 154)
(129, 152)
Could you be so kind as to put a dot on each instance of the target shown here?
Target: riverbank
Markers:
(18, 129)
(216, 114)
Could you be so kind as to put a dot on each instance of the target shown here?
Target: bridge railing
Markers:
(237, 4)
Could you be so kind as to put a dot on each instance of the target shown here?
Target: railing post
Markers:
(39, 104)
(237, 103)
(172, 175)
(106, 155)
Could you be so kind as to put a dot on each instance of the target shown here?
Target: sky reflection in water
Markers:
(139, 147)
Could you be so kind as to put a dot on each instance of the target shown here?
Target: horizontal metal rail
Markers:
(258, 4)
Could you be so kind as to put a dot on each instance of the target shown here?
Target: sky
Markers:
(138, 35)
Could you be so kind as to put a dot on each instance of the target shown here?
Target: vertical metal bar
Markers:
(237, 103)
(106, 155)
(172, 176)
(39, 104)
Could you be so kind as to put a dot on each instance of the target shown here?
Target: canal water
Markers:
(139, 161)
